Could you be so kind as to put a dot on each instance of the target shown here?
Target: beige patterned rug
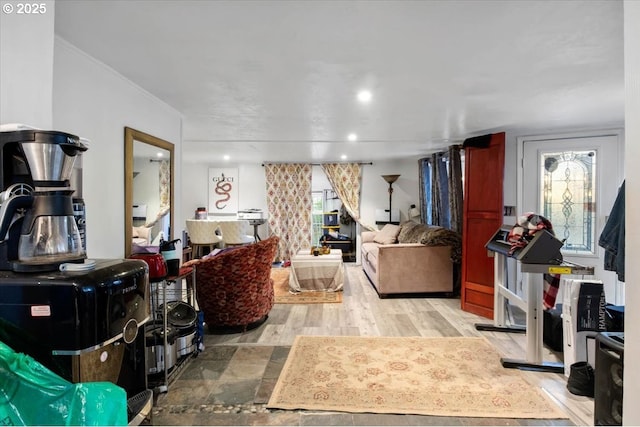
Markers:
(282, 294)
(459, 377)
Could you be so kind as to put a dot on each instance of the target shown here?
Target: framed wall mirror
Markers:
(148, 192)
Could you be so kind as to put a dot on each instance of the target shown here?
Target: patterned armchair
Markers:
(234, 288)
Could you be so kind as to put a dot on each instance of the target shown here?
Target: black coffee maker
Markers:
(38, 230)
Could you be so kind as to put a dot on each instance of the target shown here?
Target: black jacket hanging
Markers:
(612, 237)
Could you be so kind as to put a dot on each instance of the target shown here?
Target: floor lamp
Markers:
(390, 179)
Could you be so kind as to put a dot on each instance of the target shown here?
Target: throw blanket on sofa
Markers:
(413, 232)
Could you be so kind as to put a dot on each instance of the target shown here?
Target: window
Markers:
(316, 217)
(567, 197)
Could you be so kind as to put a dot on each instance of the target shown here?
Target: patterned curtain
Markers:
(455, 188)
(289, 205)
(164, 180)
(165, 184)
(345, 180)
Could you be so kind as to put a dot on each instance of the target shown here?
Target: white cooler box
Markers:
(582, 318)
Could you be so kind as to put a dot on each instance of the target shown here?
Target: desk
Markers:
(256, 223)
(317, 273)
(533, 307)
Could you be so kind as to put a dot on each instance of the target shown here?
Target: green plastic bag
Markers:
(30, 394)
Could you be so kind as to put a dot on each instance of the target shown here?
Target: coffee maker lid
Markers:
(43, 137)
(10, 127)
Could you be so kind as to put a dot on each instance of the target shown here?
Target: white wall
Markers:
(375, 190)
(252, 191)
(631, 411)
(93, 101)
(26, 60)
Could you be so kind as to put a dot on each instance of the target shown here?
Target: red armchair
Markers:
(234, 288)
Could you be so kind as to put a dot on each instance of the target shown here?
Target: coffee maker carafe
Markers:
(38, 230)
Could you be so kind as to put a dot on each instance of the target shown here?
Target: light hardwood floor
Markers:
(363, 313)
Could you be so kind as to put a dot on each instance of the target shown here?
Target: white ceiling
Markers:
(277, 80)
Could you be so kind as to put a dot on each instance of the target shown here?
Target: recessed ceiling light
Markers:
(226, 157)
(343, 157)
(159, 154)
(364, 96)
(352, 137)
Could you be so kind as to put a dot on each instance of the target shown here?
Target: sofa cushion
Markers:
(388, 235)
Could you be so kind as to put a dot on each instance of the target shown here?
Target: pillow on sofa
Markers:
(388, 235)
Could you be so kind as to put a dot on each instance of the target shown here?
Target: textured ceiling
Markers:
(277, 80)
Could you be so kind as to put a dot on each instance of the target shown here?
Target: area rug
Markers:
(454, 377)
(283, 295)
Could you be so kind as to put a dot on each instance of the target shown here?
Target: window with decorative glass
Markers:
(568, 198)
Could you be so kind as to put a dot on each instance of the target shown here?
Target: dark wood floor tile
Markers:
(403, 420)
(276, 363)
(265, 390)
(443, 326)
(204, 369)
(214, 419)
(279, 314)
(234, 392)
(535, 422)
(217, 352)
(186, 392)
(326, 419)
(165, 418)
(474, 421)
(248, 419)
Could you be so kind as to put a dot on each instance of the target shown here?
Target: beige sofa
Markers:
(412, 258)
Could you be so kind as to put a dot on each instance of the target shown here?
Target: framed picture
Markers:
(223, 190)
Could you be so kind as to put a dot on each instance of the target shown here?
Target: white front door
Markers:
(573, 181)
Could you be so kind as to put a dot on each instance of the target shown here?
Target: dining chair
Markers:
(236, 232)
(203, 237)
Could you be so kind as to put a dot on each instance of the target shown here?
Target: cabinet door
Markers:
(483, 205)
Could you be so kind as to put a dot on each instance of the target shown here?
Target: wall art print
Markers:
(223, 190)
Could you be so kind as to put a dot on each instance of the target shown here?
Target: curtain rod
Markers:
(318, 164)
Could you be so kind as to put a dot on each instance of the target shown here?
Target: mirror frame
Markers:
(131, 135)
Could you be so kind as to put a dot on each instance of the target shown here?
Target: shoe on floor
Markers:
(581, 379)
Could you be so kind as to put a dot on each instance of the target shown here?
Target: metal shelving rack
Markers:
(189, 294)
